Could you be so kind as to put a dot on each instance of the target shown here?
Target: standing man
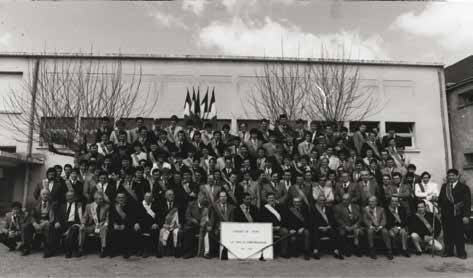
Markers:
(455, 207)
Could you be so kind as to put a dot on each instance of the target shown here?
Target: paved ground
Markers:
(13, 265)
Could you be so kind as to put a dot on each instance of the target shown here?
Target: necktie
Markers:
(224, 210)
(44, 205)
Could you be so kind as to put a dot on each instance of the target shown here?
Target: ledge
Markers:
(412, 151)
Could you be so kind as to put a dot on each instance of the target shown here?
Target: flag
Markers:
(212, 107)
(204, 106)
(193, 101)
(197, 103)
(187, 105)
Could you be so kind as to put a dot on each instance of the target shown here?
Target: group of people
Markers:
(165, 190)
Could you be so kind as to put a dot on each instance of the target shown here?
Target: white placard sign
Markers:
(247, 239)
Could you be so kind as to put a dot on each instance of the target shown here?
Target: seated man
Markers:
(396, 224)
(297, 223)
(67, 222)
(197, 218)
(324, 227)
(95, 221)
(272, 213)
(169, 223)
(149, 223)
(374, 219)
(14, 222)
(246, 212)
(348, 217)
(221, 212)
(124, 227)
(42, 216)
(422, 230)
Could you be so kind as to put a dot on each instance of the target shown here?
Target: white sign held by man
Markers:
(247, 240)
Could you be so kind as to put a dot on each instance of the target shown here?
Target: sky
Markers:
(395, 31)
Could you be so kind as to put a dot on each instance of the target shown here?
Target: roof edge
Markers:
(212, 58)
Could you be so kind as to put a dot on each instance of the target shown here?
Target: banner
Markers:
(246, 240)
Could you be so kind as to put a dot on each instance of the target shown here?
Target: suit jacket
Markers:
(193, 212)
(102, 215)
(57, 194)
(368, 218)
(145, 219)
(461, 194)
(36, 212)
(319, 220)
(253, 146)
(294, 220)
(358, 140)
(340, 189)
(215, 217)
(343, 218)
(391, 220)
(130, 219)
(269, 188)
(373, 190)
(62, 216)
(282, 193)
(240, 216)
(111, 191)
(163, 210)
(267, 216)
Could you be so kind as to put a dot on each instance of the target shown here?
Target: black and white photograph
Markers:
(236, 138)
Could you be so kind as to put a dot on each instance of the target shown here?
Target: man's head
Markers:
(372, 202)
(51, 173)
(421, 207)
(169, 195)
(148, 197)
(452, 175)
(300, 179)
(397, 178)
(247, 199)
(297, 202)
(98, 198)
(394, 202)
(121, 199)
(222, 196)
(345, 177)
(386, 180)
(321, 200)
(15, 208)
(287, 175)
(271, 199)
(390, 162)
(365, 175)
(103, 177)
(425, 177)
(44, 195)
(346, 199)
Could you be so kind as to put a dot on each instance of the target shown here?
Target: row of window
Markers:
(405, 130)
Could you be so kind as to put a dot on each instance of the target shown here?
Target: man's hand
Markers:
(300, 231)
(57, 225)
(466, 220)
(154, 226)
(137, 227)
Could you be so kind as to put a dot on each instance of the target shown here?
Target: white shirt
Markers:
(50, 186)
(430, 189)
(454, 184)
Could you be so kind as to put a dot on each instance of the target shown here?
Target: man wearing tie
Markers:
(455, 206)
(396, 224)
(69, 220)
(221, 212)
(95, 221)
(347, 215)
(305, 147)
(374, 219)
(14, 221)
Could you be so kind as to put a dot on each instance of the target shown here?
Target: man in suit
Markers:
(73, 183)
(283, 188)
(55, 186)
(253, 143)
(305, 147)
(455, 207)
(222, 211)
(149, 223)
(173, 129)
(396, 224)
(423, 230)
(298, 224)
(391, 168)
(273, 213)
(345, 186)
(348, 218)
(95, 222)
(324, 227)
(124, 227)
(106, 186)
(246, 212)
(169, 223)
(67, 221)
(14, 222)
(42, 217)
(359, 138)
(197, 218)
(374, 219)
(367, 188)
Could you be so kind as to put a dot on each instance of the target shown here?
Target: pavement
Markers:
(12, 264)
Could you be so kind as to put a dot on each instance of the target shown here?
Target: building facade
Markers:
(412, 96)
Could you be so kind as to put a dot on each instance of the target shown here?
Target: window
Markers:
(369, 125)
(8, 149)
(405, 131)
(468, 160)
(465, 99)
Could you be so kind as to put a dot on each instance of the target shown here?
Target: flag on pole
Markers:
(204, 106)
(187, 105)
(197, 103)
(212, 106)
(193, 101)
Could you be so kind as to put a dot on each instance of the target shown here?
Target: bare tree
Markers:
(278, 90)
(334, 94)
(70, 97)
(326, 90)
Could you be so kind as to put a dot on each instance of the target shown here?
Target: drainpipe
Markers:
(29, 153)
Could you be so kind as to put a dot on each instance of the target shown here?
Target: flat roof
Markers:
(213, 58)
